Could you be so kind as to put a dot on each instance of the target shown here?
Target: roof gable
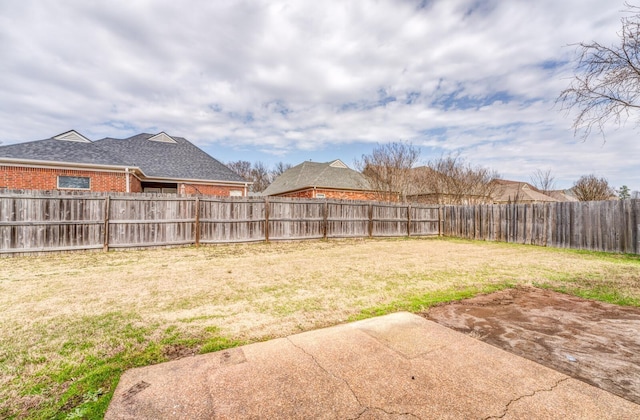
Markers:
(72, 135)
(338, 164)
(163, 138)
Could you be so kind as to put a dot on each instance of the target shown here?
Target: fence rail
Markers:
(55, 222)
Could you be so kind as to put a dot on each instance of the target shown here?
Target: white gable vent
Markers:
(338, 164)
(162, 138)
(72, 135)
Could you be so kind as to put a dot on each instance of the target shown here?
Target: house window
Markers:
(320, 195)
(235, 193)
(74, 182)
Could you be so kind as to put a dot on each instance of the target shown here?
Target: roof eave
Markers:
(320, 188)
(69, 165)
(196, 181)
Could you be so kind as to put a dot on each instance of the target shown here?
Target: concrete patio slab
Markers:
(391, 367)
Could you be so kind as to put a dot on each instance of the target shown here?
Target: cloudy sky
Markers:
(302, 80)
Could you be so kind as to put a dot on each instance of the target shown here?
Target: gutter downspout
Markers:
(246, 189)
(126, 171)
(314, 191)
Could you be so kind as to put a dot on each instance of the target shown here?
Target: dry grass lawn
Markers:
(72, 322)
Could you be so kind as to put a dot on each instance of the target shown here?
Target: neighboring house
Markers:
(563, 195)
(322, 180)
(142, 163)
(431, 187)
(516, 192)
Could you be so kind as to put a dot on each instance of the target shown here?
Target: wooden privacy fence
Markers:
(612, 226)
(38, 223)
(58, 222)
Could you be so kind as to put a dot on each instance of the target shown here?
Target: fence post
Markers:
(266, 219)
(440, 220)
(197, 222)
(325, 219)
(370, 220)
(107, 209)
(409, 219)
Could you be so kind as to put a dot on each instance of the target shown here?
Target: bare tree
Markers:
(452, 180)
(260, 176)
(280, 168)
(592, 188)
(606, 84)
(543, 180)
(241, 167)
(257, 173)
(388, 169)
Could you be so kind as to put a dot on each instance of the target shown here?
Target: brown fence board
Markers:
(390, 220)
(228, 221)
(30, 224)
(611, 226)
(347, 219)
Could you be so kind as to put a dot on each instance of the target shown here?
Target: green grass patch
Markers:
(219, 343)
(423, 302)
(603, 293)
(91, 383)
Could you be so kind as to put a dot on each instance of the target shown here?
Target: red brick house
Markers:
(142, 163)
(322, 180)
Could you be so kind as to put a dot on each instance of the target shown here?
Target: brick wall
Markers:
(22, 178)
(217, 190)
(135, 185)
(334, 194)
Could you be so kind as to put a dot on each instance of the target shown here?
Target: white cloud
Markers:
(273, 79)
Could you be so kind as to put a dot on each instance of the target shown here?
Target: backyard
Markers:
(72, 323)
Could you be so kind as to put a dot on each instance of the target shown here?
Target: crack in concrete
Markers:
(506, 408)
(364, 408)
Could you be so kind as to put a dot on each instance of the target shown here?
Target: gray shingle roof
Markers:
(179, 160)
(514, 191)
(319, 175)
(52, 150)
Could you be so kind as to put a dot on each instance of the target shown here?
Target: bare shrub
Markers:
(592, 188)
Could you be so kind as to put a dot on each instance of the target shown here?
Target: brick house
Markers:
(322, 180)
(142, 163)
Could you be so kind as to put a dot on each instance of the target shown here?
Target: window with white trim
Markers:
(74, 182)
(235, 193)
